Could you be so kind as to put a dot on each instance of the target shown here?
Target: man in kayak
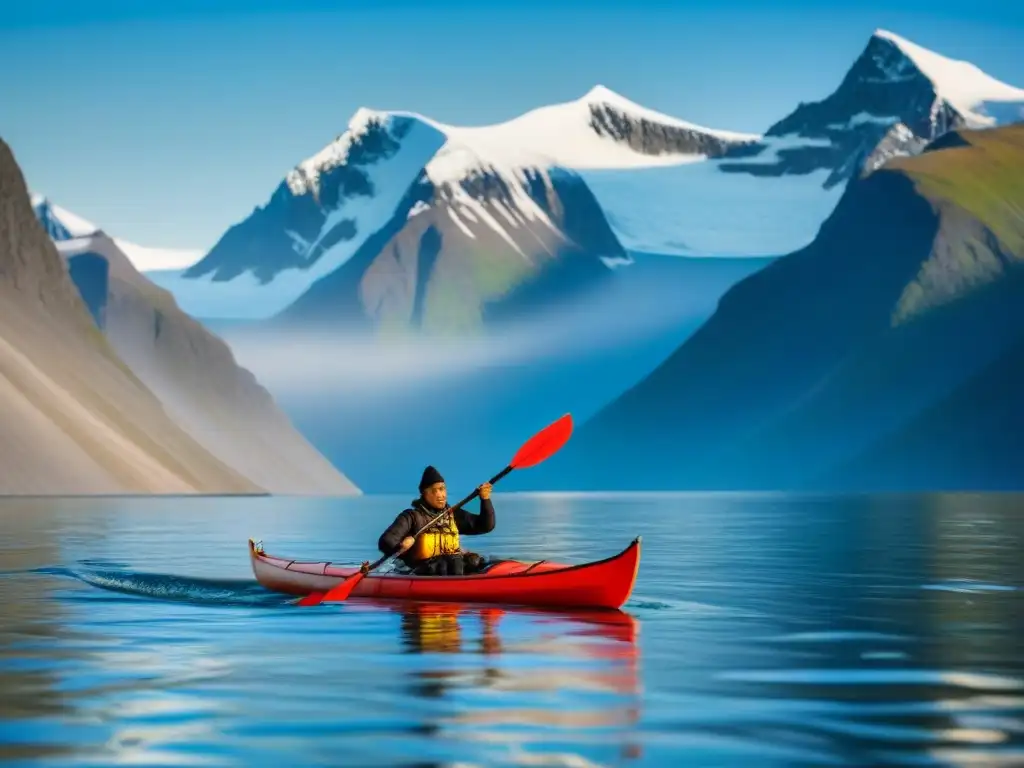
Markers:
(437, 551)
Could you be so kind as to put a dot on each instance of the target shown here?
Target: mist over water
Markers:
(382, 408)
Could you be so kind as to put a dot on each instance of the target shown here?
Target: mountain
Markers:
(61, 224)
(194, 374)
(486, 250)
(895, 98)
(907, 304)
(770, 196)
(969, 439)
(73, 417)
(499, 214)
(399, 195)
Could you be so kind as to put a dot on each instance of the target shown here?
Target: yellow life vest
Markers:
(441, 539)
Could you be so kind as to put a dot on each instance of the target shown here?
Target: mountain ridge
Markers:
(913, 284)
(662, 184)
(197, 379)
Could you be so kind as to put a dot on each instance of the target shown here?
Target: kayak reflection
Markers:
(438, 627)
(563, 670)
(592, 651)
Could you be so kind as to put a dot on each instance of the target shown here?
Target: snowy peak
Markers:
(59, 223)
(600, 130)
(969, 90)
(897, 81)
(600, 93)
(371, 136)
(64, 226)
(601, 97)
(895, 98)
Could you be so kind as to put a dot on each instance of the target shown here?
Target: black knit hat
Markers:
(430, 476)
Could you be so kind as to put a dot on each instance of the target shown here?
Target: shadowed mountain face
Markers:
(969, 439)
(405, 224)
(196, 378)
(864, 338)
(73, 417)
(342, 198)
(484, 250)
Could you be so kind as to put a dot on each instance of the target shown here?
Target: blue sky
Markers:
(165, 123)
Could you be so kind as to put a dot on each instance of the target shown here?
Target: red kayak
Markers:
(604, 583)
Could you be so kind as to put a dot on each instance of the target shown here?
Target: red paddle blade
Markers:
(341, 591)
(544, 444)
(313, 598)
(335, 594)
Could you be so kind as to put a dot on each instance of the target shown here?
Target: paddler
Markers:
(437, 551)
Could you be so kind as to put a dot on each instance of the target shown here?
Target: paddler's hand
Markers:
(485, 491)
(406, 545)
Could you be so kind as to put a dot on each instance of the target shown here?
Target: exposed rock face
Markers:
(887, 105)
(651, 137)
(195, 376)
(340, 196)
(356, 194)
(74, 418)
(470, 253)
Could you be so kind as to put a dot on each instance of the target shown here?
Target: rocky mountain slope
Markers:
(895, 99)
(858, 343)
(73, 417)
(468, 255)
(770, 196)
(504, 201)
(196, 378)
(638, 181)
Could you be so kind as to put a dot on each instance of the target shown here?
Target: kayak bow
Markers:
(604, 583)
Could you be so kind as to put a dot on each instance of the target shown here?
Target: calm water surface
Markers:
(764, 630)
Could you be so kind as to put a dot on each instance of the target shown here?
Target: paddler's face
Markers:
(436, 495)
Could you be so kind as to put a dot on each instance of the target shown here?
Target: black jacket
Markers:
(410, 520)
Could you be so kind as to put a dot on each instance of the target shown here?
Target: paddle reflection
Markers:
(561, 670)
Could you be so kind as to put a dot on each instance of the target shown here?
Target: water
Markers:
(763, 630)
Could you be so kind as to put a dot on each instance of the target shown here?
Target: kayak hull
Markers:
(604, 583)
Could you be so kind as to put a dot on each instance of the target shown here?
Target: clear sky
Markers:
(167, 122)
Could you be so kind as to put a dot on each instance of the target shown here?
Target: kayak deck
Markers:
(605, 583)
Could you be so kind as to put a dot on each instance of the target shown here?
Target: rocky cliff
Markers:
(196, 378)
(73, 417)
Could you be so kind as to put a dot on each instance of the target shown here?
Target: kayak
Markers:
(604, 583)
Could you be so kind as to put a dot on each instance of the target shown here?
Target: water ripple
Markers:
(764, 631)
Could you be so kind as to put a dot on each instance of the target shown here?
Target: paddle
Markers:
(538, 448)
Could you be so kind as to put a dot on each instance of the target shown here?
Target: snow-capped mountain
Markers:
(885, 356)
(61, 224)
(896, 98)
(660, 184)
(508, 193)
(770, 196)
